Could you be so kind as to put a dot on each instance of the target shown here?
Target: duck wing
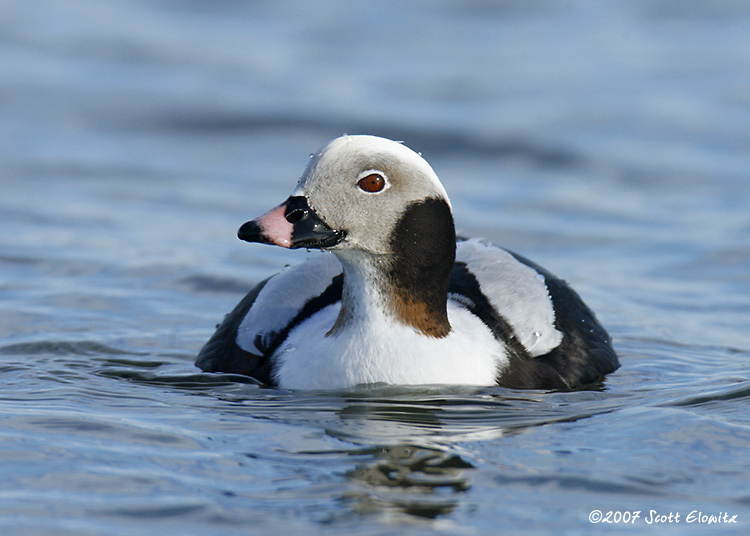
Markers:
(553, 340)
(245, 342)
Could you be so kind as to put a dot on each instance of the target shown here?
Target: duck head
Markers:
(354, 195)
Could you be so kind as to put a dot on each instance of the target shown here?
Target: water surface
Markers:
(606, 141)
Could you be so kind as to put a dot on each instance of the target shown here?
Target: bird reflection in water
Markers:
(415, 480)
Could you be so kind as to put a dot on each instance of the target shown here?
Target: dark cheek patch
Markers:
(424, 247)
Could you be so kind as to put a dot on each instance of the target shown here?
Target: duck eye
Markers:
(374, 182)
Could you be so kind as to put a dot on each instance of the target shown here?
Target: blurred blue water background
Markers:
(607, 141)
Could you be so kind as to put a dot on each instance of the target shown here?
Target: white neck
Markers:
(373, 290)
(364, 298)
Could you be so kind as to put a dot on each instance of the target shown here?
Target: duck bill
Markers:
(293, 224)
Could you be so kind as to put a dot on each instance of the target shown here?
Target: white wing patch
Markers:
(283, 297)
(516, 291)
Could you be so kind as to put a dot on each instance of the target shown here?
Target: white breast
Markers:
(387, 352)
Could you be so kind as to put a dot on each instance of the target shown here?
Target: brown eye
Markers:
(374, 182)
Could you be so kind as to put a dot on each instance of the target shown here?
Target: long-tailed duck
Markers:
(401, 300)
